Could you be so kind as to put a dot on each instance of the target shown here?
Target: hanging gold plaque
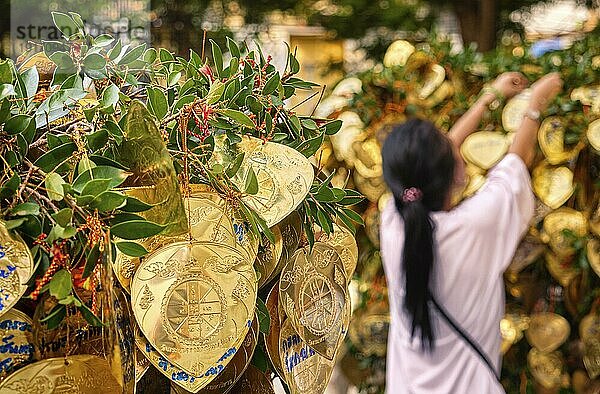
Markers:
(593, 254)
(305, 370)
(593, 134)
(588, 95)
(16, 267)
(226, 377)
(589, 332)
(372, 188)
(553, 185)
(284, 175)
(268, 256)
(398, 53)
(551, 137)
(559, 221)
(347, 87)
(484, 148)
(254, 381)
(547, 331)
(17, 341)
(563, 271)
(313, 291)
(291, 231)
(191, 297)
(141, 363)
(433, 80)
(343, 140)
(368, 161)
(546, 368)
(514, 110)
(512, 326)
(369, 330)
(272, 338)
(79, 374)
(343, 241)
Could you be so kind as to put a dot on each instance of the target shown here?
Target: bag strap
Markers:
(457, 328)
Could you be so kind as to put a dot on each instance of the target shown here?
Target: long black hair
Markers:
(416, 155)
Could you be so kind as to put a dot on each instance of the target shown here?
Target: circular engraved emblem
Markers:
(318, 309)
(194, 309)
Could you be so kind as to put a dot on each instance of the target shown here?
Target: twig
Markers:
(42, 198)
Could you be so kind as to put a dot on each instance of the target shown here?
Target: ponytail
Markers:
(418, 168)
(417, 266)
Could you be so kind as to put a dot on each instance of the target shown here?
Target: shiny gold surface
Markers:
(17, 348)
(284, 176)
(16, 267)
(194, 297)
(546, 368)
(593, 254)
(79, 374)
(563, 270)
(343, 241)
(551, 135)
(254, 381)
(557, 223)
(272, 338)
(268, 256)
(511, 329)
(547, 331)
(553, 185)
(313, 291)
(398, 53)
(305, 370)
(484, 148)
(593, 134)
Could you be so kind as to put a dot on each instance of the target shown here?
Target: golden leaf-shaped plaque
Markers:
(16, 267)
(343, 140)
(284, 175)
(291, 231)
(344, 243)
(305, 370)
(272, 338)
(398, 53)
(589, 327)
(347, 87)
(551, 137)
(368, 161)
(553, 185)
(372, 188)
(17, 341)
(433, 80)
(514, 110)
(369, 330)
(591, 356)
(563, 270)
(557, 223)
(593, 134)
(316, 283)
(511, 329)
(547, 331)
(588, 95)
(484, 148)
(141, 363)
(79, 374)
(191, 297)
(593, 254)
(546, 368)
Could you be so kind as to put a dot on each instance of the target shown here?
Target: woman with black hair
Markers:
(444, 264)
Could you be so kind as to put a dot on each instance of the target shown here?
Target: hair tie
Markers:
(411, 194)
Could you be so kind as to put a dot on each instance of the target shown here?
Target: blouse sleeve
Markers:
(502, 210)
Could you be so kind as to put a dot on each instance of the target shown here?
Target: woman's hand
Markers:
(544, 90)
(510, 84)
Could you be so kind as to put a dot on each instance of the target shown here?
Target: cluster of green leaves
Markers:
(61, 150)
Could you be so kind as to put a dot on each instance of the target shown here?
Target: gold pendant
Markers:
(593, 254)
(553, 185)
(17, 347)
(305, 370)
(79, 374)
(563, 270)
(398, 53)
(343, 140)
(555, 224)
(284, 175)
(547, 331)
(16, 267)
(546, 368)
(485, 148)
(343, 241)
(372, 188)
(369, 330)
(313, 291)
(514, 110)
(593, 134)
(512, 326)
(254, 381)
(368, 157)
(272, 338)
(551, 136)
(268, 256)
(191, 297)
(291, 232)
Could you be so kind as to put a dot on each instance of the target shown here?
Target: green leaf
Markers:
(324, 221)
(115, 51)
(235, 165)
(259, 359)
(150, 55)
(91, 261)
(333, 127)
(272, 84)
(63, 217)
(31, 79)
(54, 186)
(132, 249)
(174, 77)
(294, 64)
(26, 208)
(95, 187)
(61, 284)
(157, 102)
(251, 182)
(55, 317)
(217, 57)
(133, 55)
(6, 75)
(110, 96)
(65, 24)
(136, 229)
(94, 61)
(165, 56)
(63, 61)
(132, 204)
(103, 40)
(89, 316)
(239, 117)
(215, 92)
(77, 19)
(9, 188)
(14, 223)
(17, 124)
(51, 159)
(233, 48)
(353, 215)
(264, 320)
(309, 147)
(85, 164)
(108, 201)
(116, 176)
